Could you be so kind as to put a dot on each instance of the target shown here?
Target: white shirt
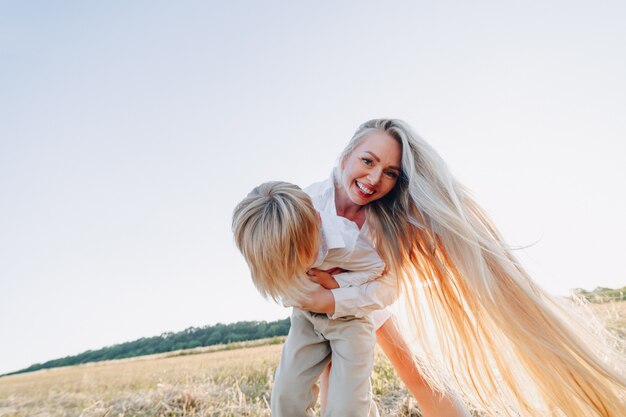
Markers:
(344, 246)
(352, 298)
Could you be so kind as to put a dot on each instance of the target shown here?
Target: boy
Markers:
(282, 237)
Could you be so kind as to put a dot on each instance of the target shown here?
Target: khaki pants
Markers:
(312, 341)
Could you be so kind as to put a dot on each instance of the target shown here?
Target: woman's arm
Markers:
(353, 301)
(363, 299)
(432, 403)
(320, 300)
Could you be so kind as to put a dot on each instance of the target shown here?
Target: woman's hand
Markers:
(324, 278)
(319, 301)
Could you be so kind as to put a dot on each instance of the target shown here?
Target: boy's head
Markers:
(277, 230)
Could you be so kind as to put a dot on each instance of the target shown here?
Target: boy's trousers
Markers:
(312, 341)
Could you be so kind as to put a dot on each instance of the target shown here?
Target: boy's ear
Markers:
(319, 218)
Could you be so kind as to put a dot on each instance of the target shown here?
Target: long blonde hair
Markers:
(476, 320)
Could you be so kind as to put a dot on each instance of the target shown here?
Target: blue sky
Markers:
(128, 132)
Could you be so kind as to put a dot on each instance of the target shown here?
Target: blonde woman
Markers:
(472, 321)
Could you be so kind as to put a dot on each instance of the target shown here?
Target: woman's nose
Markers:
(374, 176)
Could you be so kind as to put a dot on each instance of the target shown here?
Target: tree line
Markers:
(193, 337)
(189, 338)
(601, 294)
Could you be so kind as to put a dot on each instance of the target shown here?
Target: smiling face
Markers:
(372, 169)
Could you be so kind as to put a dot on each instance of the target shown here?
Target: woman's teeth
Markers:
(362, 188)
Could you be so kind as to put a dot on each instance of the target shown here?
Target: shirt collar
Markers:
(328, 192)
(330, 238)
(330, 228)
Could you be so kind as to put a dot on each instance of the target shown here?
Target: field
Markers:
(215, 382)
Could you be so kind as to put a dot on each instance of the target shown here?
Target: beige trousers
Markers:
(312, 341)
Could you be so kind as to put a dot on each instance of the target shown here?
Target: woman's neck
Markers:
(346, 208)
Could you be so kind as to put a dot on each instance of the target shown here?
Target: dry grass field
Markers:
(211, 383)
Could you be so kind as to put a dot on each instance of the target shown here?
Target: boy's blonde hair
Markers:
(277, 230)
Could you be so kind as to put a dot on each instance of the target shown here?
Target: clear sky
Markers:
(129, 130)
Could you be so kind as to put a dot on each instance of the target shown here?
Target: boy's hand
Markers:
(336, 270)
(323, 278)
(319, 301)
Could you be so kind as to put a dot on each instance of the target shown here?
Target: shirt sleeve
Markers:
(362, 264)
(355, 278)
(363, 299)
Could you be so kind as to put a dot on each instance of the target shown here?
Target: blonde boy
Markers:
(282, 237)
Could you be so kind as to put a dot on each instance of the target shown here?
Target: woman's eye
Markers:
(392, 174)
(366, 161)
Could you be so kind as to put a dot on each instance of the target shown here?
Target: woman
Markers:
(476, 321)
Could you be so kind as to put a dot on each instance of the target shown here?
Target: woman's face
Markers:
(372, 169)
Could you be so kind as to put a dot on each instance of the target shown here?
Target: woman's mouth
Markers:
(364, 190)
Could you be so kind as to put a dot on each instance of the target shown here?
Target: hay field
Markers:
(220, 383)
(209, 383)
